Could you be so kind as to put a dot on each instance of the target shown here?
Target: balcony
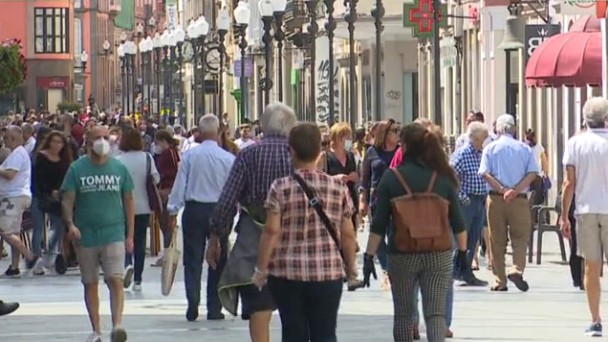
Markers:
(114, 7)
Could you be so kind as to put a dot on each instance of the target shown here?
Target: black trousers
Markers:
(576, 262)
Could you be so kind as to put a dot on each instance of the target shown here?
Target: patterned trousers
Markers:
(433, 273)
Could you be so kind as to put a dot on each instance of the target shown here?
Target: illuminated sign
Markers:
(419, 17)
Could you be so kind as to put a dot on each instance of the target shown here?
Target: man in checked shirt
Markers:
(252, 174)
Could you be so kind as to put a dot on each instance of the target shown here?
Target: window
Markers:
(51, 30)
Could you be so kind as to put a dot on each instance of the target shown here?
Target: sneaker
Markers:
(158, 262)
(595, 330)
(38, 271)
(136, 287)
(36, 262)
(119, 334)
(10, 272)
(128, 279)
(94, 337)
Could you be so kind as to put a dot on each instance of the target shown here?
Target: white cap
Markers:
(505, 119)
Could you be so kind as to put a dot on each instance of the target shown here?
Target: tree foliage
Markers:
(12, 66)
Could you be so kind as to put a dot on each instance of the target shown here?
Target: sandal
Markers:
(498, 288)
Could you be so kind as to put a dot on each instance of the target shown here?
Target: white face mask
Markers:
(157, 149)
(101, 147)
(348, 144)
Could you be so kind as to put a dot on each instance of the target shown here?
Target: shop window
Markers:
(51, 27)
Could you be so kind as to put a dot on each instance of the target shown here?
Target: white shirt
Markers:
(29, 145)
(19, 160)
(538, 151)
(588, 153)
(242, 143)
(136, 163)
(201, 176)
(188, 144)
(181, 140)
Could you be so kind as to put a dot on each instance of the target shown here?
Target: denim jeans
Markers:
(57, 230)
(139, 246)
(474, 219)
(195, 225)
(308, 309)
(38, 228)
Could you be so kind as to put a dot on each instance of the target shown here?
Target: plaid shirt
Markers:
(305, 251)
(466, 163)
(254, 170)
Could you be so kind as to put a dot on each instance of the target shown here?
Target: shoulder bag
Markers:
(154, 199)
(314, 202)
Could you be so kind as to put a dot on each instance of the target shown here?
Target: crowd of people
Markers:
(302, 192)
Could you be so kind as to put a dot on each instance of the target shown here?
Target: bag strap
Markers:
(402, 181)
(432, 182)
(148, 164)
(313, 201)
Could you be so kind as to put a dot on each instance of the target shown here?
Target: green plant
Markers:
(12, 66)
(69, 106)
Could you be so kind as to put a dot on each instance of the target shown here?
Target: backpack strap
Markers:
(432, 182)
(401, 180)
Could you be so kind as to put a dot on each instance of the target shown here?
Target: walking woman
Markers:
(425, 171)
(301, 246)
(377, 160)
(52, 161)
(166, 147)
(140, 165)
(37, 215)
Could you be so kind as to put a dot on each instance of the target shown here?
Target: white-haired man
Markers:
(508, 166)
(255, 168)
(201, 176)
(587, 176)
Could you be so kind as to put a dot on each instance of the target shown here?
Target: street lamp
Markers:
(378, 13)
(313, 28)
(139, 29)
(123, 78)
(330, 27)
(145, 47)
(267, 12)
(242, 15)
(279, 35)
(152, 22)
(84, 58)
(165, 38)
(222, 23)
(511, 42)
(351, 17)
(157, 46)
(180, 36)
(130, 52)
(123, 37)
(106, 47)
(197, 32)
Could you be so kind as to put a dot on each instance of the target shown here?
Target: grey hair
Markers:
(476, 129)
(505, 128)
(277, 119)
(595, 112)
(170, 129)
(209, 124)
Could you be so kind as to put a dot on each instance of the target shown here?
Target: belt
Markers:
(476, 195)
(499, 194)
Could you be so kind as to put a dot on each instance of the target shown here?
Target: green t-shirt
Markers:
(99, 189)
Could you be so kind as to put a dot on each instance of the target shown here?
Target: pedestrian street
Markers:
(52, 310)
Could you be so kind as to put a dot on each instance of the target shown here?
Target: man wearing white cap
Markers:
(508, 167)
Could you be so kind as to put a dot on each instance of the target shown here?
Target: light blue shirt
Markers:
(508, 160)
(201, 176)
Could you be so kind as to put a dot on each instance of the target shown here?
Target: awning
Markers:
(568, 59)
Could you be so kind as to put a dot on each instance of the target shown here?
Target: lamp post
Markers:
(267, 12)
(106, 46)
(223, 22)
(511, 42)
(145, 47)
(180, 37)
(84, 58)
(351, 17)
(193, 35)
(197, 32)
(166, 72)
(378, 13)
(279, 35)
(123, 80)
(330, 27)
(242, 15)
(313, 28)
(131, 52)
(157, 46)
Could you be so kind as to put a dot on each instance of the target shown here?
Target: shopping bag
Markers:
(170, 263)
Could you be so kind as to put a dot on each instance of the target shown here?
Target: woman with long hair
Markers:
(377, 160)
(225, 142)
(36, 215)
(52, 160)
(425, 169)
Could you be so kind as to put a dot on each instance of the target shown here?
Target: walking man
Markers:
(99, 211)
(201, 176)
(587, 176)
(508, 167)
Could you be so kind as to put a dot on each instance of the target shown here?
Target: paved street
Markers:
(52, 310)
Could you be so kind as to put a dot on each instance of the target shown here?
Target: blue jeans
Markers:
(195, 225)
(38, 228)
(58, 232)
(139, 246)
(474, 219)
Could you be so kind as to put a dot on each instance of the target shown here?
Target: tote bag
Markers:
(170, 264)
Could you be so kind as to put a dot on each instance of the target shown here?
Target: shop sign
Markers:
(59, 82)
(584, 7)
(536, 35)
(449, 53)
(418, 15)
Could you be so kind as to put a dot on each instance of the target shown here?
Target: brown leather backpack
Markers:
(421, 219)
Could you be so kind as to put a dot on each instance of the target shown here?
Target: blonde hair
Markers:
(340, 130)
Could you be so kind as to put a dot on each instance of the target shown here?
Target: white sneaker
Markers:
(128, 279)
(136, 287)
(119, 334)
(94, 337)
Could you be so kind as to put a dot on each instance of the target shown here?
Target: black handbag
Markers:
(49, 204)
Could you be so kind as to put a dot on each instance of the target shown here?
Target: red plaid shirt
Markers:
(306, 251)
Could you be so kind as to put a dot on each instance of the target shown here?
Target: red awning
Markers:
(568, 59)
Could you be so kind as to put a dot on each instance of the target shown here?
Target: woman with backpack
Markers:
(420, 196)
